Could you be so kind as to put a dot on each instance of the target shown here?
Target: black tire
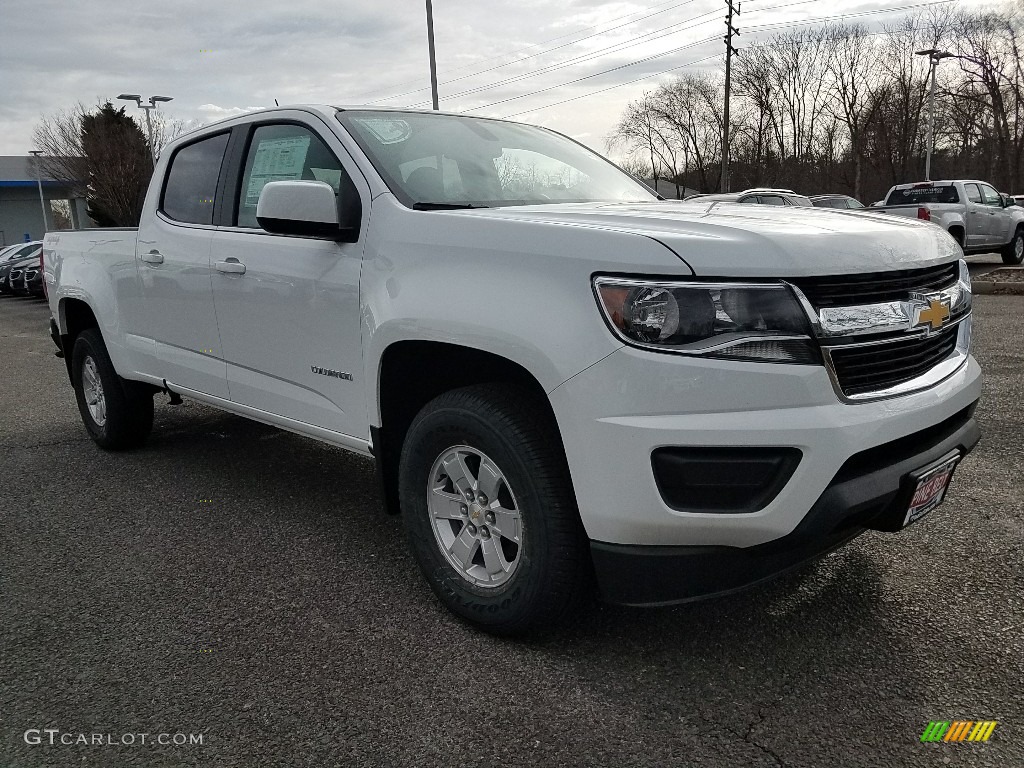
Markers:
(128, 404)
(552, 574)
(1013, 253)
(958, 235)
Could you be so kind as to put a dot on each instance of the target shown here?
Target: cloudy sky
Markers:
(221, 57)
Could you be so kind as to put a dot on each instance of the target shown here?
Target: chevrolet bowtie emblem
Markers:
(935, 315)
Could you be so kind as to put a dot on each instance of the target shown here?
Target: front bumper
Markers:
(869, 491)
(615, 414)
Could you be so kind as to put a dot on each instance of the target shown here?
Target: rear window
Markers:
(192, 180)
(915, 195)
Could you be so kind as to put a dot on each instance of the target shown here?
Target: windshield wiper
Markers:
(444, 206)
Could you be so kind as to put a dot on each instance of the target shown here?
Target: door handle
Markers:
(153, 257)
(230, 266)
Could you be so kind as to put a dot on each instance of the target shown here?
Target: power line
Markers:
(595, 74)
(615, 48)
(525, 48)
(653, 35)
(612, 69)
(826, 19)
(692, 63)
(658, 34)
(612, 87)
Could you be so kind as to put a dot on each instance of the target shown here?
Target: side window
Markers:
(973, 193)
(772, 200)
(192, 181)
(991, 197)
(285, 152)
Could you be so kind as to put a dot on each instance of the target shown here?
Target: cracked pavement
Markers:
(240, 582)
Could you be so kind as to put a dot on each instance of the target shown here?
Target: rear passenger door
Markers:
(175, 328)
(289, 321)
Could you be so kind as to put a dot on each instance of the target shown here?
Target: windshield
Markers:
(924, 194)
(469, 161)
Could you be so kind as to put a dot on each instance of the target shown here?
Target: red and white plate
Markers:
(931, 488)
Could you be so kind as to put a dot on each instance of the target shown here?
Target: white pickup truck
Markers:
(978, 217)
(564, 380)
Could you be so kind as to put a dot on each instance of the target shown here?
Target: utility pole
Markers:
(39, 183)
(430, 46)
(730, 30)
(934, 57)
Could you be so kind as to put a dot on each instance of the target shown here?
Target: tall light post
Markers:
(934, 57)
(39, 183)
(153, 102)
(430, 46)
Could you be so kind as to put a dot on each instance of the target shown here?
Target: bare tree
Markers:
(839, 109)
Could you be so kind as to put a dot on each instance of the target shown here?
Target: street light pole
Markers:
(934, 57)
(153, 101)
(39, 183)
(430, 46)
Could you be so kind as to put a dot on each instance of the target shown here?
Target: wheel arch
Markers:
(412, 373)
(73, 317)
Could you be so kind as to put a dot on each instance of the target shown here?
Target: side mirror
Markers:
(304, 209)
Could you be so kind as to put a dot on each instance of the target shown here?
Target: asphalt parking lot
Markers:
(239, 582)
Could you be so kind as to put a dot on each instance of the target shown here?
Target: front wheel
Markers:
(1013, 253)
(489, 510)
(117, 413)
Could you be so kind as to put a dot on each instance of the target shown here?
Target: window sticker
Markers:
(276, 160)
(385, 130)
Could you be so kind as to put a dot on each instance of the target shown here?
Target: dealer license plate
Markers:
(931, 489)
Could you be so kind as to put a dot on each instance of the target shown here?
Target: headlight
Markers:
(722, 320)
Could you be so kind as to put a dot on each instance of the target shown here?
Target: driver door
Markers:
(288, 307)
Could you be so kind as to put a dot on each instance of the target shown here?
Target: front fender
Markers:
(519, 290)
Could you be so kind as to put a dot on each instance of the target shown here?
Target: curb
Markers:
(997, 287)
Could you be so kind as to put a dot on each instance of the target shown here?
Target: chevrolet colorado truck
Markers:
(980, 219)
(567, 383)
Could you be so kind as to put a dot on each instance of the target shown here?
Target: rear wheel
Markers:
(1013, 253)
(489, 509)
(117, 413)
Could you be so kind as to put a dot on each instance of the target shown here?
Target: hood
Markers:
(718, 239)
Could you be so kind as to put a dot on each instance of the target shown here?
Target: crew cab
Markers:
(564, 381)
(979, 218)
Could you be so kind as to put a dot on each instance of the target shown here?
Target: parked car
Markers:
(16, 253)
(32, 280)
(759, 196)
(16, 277)
(836, 201)
(560, 376)
(12, 272)
(971, 211)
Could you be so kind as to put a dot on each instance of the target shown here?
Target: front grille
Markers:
(15, 274)
(875, 287)
(875, 367)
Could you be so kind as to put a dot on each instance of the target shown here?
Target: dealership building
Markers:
(21, 214)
